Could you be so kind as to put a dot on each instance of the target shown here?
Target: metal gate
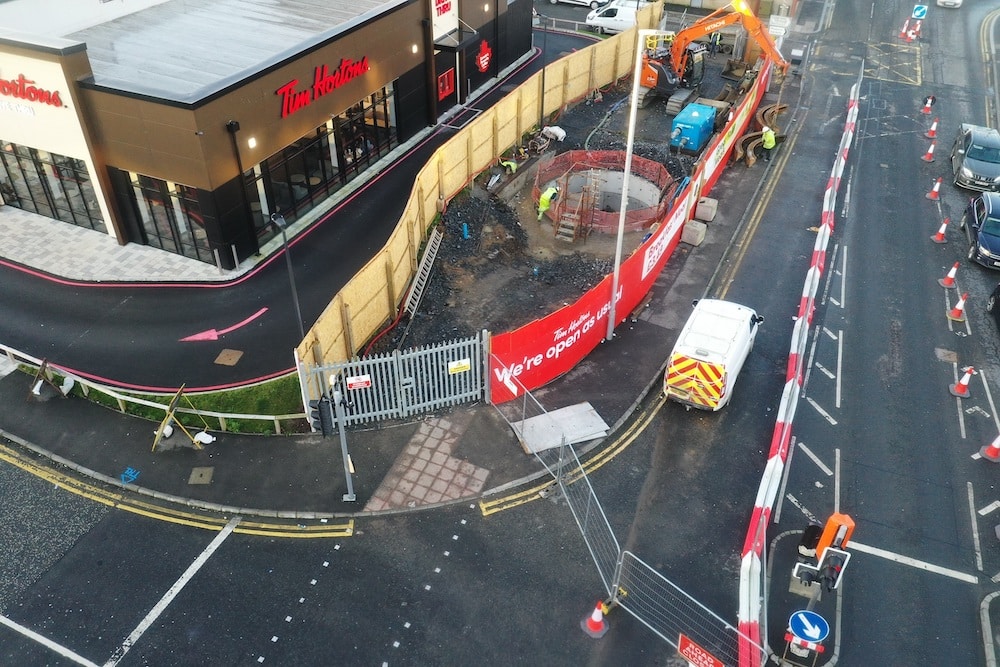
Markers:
(403, 382)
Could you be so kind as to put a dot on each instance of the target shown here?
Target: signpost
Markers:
(919, 12)
(695, 654)
(808, 626)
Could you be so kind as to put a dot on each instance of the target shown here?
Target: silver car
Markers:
(975, 158)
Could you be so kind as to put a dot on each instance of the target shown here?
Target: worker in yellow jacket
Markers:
(545, 200)
(768, 142)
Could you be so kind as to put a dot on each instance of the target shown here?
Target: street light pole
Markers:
(279, 222)
(545, 58)
(642, 34)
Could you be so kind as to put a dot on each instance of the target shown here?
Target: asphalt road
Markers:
(886, 444)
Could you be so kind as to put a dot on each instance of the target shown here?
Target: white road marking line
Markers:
(989, 508)
(975, 526)
(46, 642)
(809, 515)
(784, 482)
(989, 399)
(958, 400)
(836, 481)
(843, 278)
(995, 578)
(169, 596)
(824, 413)
(840, 364)
(823, 369)
(976, 456)
(829, 333)
(913, 562)
(815, 459)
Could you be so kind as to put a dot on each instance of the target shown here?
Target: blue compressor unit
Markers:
(692, 127)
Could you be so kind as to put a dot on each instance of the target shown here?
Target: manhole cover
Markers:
(201, 475)
(228, 357)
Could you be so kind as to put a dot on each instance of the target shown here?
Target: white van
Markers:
(709, 354)
(611, 19)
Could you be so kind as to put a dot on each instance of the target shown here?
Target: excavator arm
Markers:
(736, 11)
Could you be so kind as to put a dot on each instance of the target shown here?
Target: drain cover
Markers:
(201, 475)
(228, 357)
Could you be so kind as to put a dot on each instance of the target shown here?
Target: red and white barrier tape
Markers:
(754, 544)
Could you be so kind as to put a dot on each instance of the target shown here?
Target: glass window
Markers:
(170, 216)
(52, 185)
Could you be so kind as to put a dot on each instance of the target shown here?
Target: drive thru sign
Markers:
(695, 654)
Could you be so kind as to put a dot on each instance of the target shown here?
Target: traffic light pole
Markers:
(338, 406)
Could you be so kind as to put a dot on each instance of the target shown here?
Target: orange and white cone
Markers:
(961, 388)
(957, 314)
(904, 29)
(939, 237)
(929, 155)
(595, 625)
(948, 282)
(991, 452)
(932, 133)
(927, 102)
(933, 194)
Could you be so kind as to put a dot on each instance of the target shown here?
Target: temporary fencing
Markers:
(753, 608)
(630, 583)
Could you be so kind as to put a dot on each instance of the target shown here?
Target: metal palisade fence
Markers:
(402, 383)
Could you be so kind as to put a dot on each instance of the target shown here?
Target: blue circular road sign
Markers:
(808, 626)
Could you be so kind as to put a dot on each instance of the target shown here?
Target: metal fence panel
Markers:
(660, 605)
(403, 383)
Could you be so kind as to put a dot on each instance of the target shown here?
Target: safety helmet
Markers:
(766, 129)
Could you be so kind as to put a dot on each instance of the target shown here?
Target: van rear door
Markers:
(697, 383)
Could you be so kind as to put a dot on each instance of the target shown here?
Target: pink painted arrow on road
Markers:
(213, 334)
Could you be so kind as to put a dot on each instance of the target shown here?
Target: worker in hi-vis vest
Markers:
(545, 201)
(767, 141)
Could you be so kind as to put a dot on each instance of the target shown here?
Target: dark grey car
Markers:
(975, 158)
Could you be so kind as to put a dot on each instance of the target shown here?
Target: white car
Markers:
(595, 4)
(949, 3)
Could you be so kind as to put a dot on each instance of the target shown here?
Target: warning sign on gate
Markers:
(460, 366)
(695, 654)
(359, 381)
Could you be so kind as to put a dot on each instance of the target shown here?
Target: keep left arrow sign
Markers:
(213, 334)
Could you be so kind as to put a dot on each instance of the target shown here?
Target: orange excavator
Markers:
(676, 61)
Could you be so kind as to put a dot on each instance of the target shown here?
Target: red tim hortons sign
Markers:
(23, 88)
(325, 80)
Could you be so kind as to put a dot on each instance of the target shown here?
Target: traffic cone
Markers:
(929, 155)
(910, 36)
(904, 29)
(957, 314)
(991, 452)
(948, 282)
(961, 388)
(916, 27)
(595, 625)
(928, 101)
(932, 133)
(939, 237)
(933, 194)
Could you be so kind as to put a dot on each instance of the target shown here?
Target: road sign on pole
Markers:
(808, 626)
(919, 12)
(695, 654)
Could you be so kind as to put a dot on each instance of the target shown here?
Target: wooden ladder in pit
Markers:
(576, 217)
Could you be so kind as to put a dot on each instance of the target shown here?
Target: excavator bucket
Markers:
(734, 69)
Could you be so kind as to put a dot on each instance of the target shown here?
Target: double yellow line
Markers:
(543, 490)
(206, 521)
